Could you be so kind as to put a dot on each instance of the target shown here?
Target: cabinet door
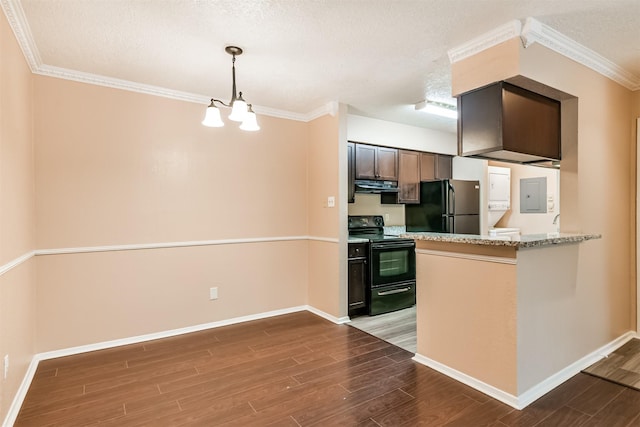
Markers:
(427, 167)
(351, 159)
(387, 163)
(365, 161)
(357, 285)
(443, 166)
(409, 177)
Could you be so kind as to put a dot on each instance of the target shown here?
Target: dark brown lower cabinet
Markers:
(358, 273)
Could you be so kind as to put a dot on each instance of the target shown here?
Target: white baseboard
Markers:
(483, 387)
(164, 334)
(18, 399)
(524, 399)
(16, 404)
(338, 320)
(543, 387)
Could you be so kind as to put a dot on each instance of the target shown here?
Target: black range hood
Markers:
(375, 187)
(509, 123)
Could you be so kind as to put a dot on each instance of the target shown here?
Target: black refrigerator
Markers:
(449, 206)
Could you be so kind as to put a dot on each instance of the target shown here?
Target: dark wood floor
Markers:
(291, 370)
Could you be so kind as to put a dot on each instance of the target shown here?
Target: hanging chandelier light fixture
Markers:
(240, 110)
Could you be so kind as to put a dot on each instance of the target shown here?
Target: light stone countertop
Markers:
(357, 240)
(523, 241)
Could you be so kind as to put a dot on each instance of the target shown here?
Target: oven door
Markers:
(392, 262)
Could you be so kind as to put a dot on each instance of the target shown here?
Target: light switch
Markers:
(331, 202)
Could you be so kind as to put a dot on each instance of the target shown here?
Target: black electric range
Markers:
(392, 265)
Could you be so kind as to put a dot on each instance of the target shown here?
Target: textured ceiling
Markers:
(378, 56)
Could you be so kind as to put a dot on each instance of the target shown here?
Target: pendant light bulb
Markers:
(238, 109)
(250, 123)
(212, 117)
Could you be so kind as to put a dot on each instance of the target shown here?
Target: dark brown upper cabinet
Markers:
(351, 162)
(378, 163)
(508, 123)
(435, 166)
(409, 177)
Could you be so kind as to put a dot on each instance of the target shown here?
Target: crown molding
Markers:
(18, 23)
(330, 108)
(94, 79)
(535, 31)
(281, 114)
(494, 37)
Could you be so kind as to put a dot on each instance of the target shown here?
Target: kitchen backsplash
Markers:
(369, 204)
(394, 230)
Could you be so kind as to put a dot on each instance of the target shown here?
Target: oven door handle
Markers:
(394, 245)
(394, 291)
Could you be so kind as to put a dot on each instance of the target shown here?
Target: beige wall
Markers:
(470, 327)
(605, 178)
(551, 305)
(326, 291)
(88, 298)
(17, 284)
(120, 168)
(597, 180)
(116, 167)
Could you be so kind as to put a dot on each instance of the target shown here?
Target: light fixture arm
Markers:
(233, 78)
(221, 102)
(233, 51)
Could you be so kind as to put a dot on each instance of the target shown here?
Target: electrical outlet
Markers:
(213, 293)
(6, 366)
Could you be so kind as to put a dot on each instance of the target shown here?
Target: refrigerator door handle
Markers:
(449, 223)
(452, 199)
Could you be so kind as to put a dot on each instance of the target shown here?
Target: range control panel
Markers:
(365, 221)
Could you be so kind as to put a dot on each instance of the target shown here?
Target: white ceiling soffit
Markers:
(534, 31)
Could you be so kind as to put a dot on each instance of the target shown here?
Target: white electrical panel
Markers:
(533, 195)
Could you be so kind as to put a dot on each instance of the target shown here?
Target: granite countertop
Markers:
(357, 240)
(523, 241)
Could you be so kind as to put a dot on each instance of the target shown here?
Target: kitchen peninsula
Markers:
(498, 313)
